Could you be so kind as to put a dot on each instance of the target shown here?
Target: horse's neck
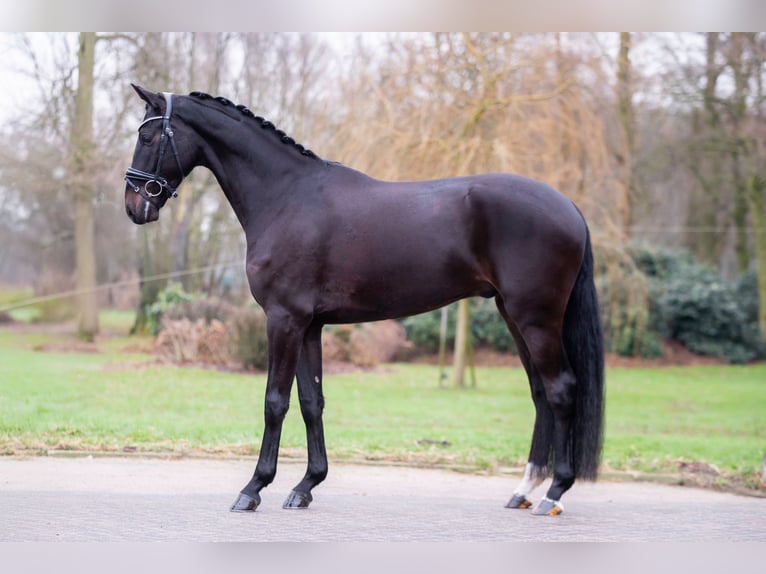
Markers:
(251, 165)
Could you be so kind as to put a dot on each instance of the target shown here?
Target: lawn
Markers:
(119, 399)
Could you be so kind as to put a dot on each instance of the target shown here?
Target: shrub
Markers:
(207, 329)
(423, 330)
(248, 328)
(488, 328)
(366, 344)
(691, 304)
(178, 339)
(207, 309)
(168, 298)
(710, 316)
(624, 293)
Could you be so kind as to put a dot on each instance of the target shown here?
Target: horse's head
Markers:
(156, 170)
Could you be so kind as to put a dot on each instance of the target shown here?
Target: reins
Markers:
(160, 183)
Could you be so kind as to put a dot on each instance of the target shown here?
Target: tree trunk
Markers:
(626, 126)
(756, 191)
(738, 148)
(707, 164)
(81, 158)
(148, 289)
(443, 343)
(462, 336)
(179, 235)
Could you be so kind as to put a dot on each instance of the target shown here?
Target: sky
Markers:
(386, 15)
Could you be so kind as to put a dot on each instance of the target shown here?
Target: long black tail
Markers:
(584, 345)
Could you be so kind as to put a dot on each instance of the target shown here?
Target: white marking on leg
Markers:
(556, 503)
(533, 477)
(316, 379)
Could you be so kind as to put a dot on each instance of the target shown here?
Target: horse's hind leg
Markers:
(548, 356)
(309, 375)
(542, 436)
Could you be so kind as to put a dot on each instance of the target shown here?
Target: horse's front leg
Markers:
(309, 377)
(285, 335)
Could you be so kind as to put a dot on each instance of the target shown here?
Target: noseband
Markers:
(154, 184)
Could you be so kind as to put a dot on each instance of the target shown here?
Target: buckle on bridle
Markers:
(159, 183)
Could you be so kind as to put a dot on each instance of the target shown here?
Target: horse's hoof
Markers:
(245, 503)
(548, 507)
(519, 501)
(298, 500)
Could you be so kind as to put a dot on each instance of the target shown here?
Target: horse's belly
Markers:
(391, 295)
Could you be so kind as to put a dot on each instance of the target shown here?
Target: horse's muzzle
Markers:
(140, 210)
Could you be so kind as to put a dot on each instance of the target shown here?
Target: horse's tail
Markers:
(584, 345)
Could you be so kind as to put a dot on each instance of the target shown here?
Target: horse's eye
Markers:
(145, 137)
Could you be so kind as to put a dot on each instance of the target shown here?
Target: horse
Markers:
(327, 244)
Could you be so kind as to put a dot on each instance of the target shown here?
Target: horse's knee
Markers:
(312, 408)
(276, 407)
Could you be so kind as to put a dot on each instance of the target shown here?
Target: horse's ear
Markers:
(149, 97)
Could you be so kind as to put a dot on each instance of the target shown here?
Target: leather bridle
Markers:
(153, 183)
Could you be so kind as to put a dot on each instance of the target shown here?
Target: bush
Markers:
(423, 330)
(366, 344)
(691, 304)
(624, 292)
(168, 298)
(710, 316)
(207, 309)
(193, 328)
(251, 346)
(488, 328)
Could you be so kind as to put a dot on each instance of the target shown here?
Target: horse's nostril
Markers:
(130, 213)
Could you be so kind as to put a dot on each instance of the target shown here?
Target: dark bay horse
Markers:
(327, 244)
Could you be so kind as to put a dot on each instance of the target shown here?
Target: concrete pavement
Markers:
(138, 499)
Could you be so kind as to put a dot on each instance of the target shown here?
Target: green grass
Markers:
(115, 398)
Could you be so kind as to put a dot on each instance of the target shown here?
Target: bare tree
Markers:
(626, 127)
(81, 157)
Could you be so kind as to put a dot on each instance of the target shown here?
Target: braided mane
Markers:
(265, 124)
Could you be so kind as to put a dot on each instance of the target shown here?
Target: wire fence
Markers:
(117, 284)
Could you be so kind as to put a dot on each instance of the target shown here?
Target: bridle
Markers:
(154, 184)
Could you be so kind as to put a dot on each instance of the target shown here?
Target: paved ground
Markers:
(134, 499)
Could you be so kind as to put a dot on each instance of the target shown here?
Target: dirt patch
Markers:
(674, 354)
